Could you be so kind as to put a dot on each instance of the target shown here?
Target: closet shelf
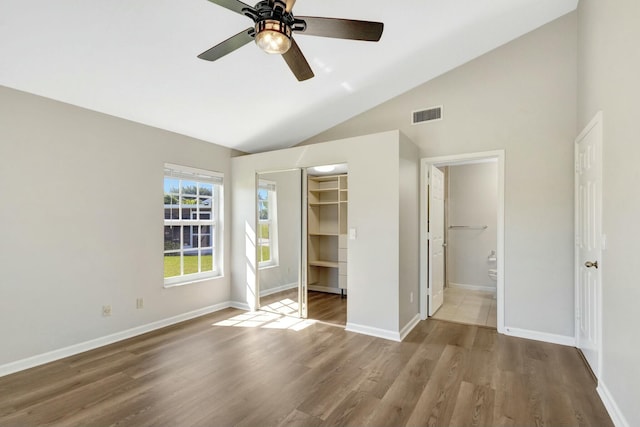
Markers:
(320, 233)
(468, 227)
(323, 203)
(322, 190)
(319, 263)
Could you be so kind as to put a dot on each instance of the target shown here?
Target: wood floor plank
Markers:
(233, 368)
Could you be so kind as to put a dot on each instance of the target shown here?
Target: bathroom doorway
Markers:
(473, 243)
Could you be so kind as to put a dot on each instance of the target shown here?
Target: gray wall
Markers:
(609, 66)
(521, 98)
(472, 200)
(82, 224)
(409, 236)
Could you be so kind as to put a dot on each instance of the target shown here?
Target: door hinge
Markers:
(428, 235)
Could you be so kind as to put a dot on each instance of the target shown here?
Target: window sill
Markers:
(192, 281)
(268, 267)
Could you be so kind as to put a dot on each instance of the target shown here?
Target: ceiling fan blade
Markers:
(297, 62)
(234, 5)
(342, 28)
(290, 4)
(229, 45)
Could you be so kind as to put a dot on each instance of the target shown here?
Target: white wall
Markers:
(521, 98)
(472, 200)
(373, 266)
(608, 70)
(288, 201)
(82, 215)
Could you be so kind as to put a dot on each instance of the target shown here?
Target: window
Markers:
(267, 224)
(192, 225)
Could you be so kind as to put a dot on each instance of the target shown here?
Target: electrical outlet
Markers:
(106, 310)
(411, 297)
(139, 303)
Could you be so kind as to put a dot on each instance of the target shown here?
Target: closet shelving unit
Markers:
(327, 233)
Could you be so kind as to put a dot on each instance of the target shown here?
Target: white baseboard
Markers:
(374, 332)
(324, 289)
(240, 305)
(472, 287)
(540, 336)
(275, 290)
(409, 326)
(71, 350)
(610, 404)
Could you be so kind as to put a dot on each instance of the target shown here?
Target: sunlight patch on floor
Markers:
(278, 315)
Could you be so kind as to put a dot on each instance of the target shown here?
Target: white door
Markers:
(436, 239)
(588, 223)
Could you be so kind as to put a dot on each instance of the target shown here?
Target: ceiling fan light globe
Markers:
(273, 36)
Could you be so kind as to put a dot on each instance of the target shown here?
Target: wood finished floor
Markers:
(234, 368)
(322, 306)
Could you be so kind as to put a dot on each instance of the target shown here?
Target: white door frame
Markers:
(461, 159)
(595, 124)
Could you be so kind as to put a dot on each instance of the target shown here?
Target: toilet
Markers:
(492, 260)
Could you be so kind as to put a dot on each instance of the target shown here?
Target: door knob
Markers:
(590, 264)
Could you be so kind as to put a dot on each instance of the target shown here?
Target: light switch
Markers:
(352, 233)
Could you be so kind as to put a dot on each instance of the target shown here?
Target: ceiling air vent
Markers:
(428, 115)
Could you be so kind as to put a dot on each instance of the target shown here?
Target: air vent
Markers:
(428, 115)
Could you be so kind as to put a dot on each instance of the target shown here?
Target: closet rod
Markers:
(468, 227)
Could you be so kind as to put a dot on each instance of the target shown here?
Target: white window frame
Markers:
(214, 222)
(271, 222)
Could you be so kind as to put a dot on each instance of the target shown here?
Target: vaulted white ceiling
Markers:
(137, 59)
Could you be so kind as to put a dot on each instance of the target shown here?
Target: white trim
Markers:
(51, 356)
(240, 305)
(374, 332)
(458, 159)
(472, 287)
(540, 336)
(266, 292)
(610, 404)
(326, 289)
(409, 326)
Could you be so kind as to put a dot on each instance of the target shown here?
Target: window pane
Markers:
(263, 194)
(190, 262)
(205, 189)
(205, 236)
(264, 254)
(190, 237)
(171, 238)
(263, 231)
(189, 201)
(263, 209)
(171, 265)
(171, 198)
(206, 260)
(189, 187)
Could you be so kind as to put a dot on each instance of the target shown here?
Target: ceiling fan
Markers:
(274, 25)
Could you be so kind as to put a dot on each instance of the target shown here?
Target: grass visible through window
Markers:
(172, 264)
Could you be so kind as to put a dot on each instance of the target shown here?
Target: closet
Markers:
(327, 233)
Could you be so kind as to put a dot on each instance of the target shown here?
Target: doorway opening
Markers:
(462, 238)
(327, 219)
